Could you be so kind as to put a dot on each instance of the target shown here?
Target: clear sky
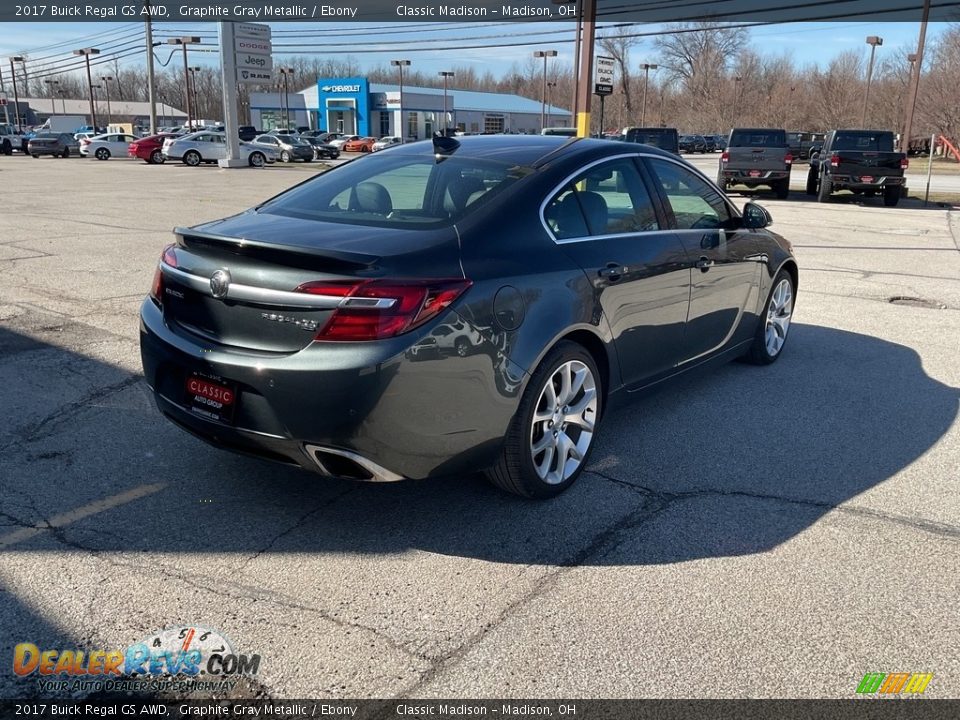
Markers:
(806, 43)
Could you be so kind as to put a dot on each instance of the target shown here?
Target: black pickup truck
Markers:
(862, 161)
(756, 157)
(661, 137)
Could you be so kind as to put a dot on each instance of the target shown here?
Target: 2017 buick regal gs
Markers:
(460, 305)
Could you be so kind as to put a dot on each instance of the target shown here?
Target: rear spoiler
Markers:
(239, 245)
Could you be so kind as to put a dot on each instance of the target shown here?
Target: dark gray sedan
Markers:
(56, 144)
(287, 147)
(470, 304)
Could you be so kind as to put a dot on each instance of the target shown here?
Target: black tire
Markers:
(192, 158)
(462, 347)
(310, 159)
(811, 183)
(65, 153)
(721, 183)
(758, 353)
(102, 154)
(257, 159)
(7, 148)
(515, 471)
(891, 195)
(823, 191)
(156, 157)
(35, 156)
(285, 156)
(782, 189)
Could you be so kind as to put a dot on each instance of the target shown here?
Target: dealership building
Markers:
(356, 106)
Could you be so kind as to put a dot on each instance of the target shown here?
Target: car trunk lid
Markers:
(262, 260)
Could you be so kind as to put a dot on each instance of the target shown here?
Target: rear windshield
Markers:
(866, 142)
(393, 190)
(758, 138)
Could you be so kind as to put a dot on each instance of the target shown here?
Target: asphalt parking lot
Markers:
(773, 532)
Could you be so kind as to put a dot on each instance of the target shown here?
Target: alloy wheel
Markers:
(779, 312)
(564, 422)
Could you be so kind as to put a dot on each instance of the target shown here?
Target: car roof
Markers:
(534, 150)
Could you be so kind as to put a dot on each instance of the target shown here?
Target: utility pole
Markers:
(53, 102)
(86, 53)
(916, 69)
(106, 83)
(445, 74)
(646, 67)
(584, 89)
(194, 69)
(400, 65)
(550, 86)
(151, 81)
(872, 41)
(16, 97)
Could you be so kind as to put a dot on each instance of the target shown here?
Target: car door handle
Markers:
(613, 271)
(704, 263)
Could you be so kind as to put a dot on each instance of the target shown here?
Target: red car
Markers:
(149, 148)
(364, 144)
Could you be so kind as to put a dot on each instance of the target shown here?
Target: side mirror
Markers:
(755, 216)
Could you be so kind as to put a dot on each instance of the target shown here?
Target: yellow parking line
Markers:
(67, 518)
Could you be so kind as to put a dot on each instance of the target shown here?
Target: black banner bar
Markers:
(872, 708)
(379, 11)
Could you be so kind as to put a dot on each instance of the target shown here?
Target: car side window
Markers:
(695, 203)
(607, 199)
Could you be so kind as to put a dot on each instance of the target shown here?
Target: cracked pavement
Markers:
(733, 533)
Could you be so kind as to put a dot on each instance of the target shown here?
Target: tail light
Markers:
(84, 141)
(725, 157)
(378, 309)
(834, 160)
(904, 163)
(169, 256)
(788, 159)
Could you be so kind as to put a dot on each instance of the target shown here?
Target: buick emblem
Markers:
(220, 284)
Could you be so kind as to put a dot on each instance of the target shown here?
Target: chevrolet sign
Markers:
(341, 88)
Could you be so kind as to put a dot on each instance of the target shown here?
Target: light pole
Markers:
(550, 86)
(285, 72)
(872, 41)
(194, 69)
(16, 97)
(86, 53)
(183, 42)
(445, 74)
(588, 23)
(106, 80)
(543, 85)
(400, 65)
(53, 103)
(646, 67)
(917, 68)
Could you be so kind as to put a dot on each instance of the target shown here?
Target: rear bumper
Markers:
(854, 182)
(403, 413)
(765, 176)
(44, 150)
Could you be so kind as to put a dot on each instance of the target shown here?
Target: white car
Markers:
(386, 141)
(104, 147)
(208, 147)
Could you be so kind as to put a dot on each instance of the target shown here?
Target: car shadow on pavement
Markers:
(730, 462)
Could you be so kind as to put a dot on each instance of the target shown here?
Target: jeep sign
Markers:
(248, 61)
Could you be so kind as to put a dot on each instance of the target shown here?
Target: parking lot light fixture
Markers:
(400, 65)
(51, 84)
(646, 67)
(872, 41)
(543, 84)
(183, 42)
(550, 86)
(445, 74)
(86, 53)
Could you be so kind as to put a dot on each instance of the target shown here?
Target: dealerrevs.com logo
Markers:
(174, 658)
(894, 684)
